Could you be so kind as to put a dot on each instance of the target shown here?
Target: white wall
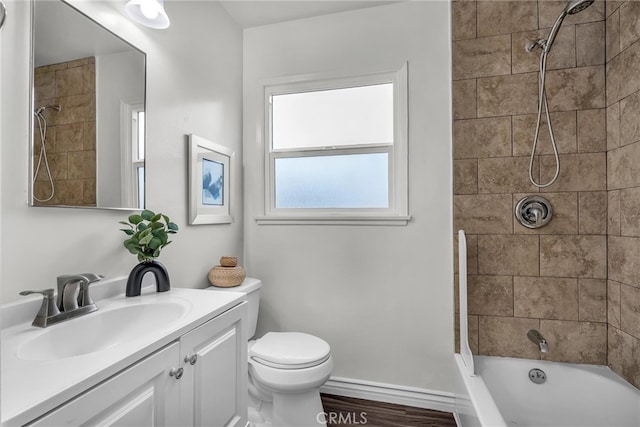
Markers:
(193, 86)
(118, 81)
(382, 296)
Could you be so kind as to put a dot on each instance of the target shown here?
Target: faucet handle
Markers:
(83, 297)
(47, 309)
(47, 293)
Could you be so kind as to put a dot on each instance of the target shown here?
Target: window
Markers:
(336, 150)
(138, 155)
(132, 152)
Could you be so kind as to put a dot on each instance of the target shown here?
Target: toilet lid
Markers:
(289, 350)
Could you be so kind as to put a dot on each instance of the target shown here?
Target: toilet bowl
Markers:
(286, 370)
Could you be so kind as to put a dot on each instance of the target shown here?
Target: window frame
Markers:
(130, 161)
(397, 212)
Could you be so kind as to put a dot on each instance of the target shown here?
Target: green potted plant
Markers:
(147, 234)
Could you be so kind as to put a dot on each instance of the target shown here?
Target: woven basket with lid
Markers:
(226, 277)
(228, 261)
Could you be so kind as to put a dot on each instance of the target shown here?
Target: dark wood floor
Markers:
(349, 411)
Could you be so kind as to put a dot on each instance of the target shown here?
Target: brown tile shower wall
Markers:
(623, 185)
(553, 279)
(71, 133)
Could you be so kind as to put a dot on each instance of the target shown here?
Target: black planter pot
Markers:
(134, 283)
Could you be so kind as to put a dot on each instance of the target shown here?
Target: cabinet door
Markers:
(214, 387)
(142, 395)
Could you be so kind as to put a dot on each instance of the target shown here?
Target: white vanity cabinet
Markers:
(198, 380)
(213, 387)
(141, 395)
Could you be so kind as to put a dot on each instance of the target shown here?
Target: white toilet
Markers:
(286, 370)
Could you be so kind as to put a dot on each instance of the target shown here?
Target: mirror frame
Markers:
(32, 139)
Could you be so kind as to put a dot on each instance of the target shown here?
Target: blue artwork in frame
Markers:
(212, 182)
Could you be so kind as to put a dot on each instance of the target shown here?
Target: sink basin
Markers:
(101, 330)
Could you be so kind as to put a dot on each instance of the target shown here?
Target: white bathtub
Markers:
(501, 394)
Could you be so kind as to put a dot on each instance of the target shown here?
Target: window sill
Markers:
(332, 220)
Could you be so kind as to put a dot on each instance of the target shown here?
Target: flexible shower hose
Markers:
(42, 126)
(542, 95)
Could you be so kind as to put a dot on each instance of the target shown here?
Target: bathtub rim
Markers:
(599, 370)
(479, 396)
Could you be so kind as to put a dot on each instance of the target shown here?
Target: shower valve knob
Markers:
(533, 211)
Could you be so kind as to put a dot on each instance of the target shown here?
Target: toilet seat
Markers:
(289, 350)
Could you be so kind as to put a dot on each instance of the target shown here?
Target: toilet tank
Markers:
(250, 287)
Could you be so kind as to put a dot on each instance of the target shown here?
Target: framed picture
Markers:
(210, 189)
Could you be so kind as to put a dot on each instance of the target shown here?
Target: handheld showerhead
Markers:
(577, 6)
(573, 7)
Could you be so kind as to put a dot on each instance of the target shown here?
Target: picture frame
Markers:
(210, 186)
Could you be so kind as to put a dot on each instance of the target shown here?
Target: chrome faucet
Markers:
(73, 290)
(537, 338)
(73, 299)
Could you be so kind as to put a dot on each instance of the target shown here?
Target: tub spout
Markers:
(537, 338)
(544, 347)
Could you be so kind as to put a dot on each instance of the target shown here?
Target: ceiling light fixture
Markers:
(149, 13)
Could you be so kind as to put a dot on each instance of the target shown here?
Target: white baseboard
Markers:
(390, 393)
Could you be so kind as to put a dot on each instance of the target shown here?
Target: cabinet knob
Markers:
(191, 359)
(176, 373)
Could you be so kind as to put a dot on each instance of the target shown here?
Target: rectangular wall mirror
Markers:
(88, 113)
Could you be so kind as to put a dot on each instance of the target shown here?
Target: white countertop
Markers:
(33, 387)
